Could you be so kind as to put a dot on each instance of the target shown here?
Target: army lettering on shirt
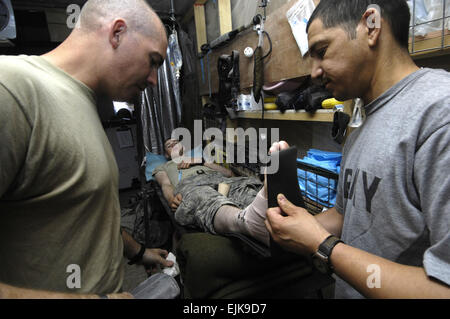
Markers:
(370, 186)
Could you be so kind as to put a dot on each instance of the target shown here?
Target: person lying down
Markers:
(208, 196)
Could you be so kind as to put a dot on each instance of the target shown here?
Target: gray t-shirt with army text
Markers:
(394, 186)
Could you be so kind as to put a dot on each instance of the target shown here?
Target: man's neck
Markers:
(390, 70)
(72, 59)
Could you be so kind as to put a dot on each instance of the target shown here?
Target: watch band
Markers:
(326, 248)
(138, 256)
(328, 244)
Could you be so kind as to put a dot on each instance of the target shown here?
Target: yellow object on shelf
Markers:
(331, 103)
(270, 106)
(270, 99)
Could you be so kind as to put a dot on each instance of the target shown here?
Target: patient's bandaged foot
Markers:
(248, 221)
(201, 200)
(254, 217)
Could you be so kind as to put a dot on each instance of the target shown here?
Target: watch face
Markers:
(4, 15)
(321, 264)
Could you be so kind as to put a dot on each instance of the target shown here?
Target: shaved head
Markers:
(120, 44)
(138, 15)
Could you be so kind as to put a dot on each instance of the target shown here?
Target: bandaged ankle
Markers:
(253, 217)
(226, 220)
(249, 221)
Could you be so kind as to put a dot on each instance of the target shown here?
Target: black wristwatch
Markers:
(321, 258)
(138, 257)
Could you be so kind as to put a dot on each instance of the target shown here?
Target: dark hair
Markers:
(347, 14)
(166, 140)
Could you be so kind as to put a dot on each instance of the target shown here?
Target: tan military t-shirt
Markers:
(59, 206)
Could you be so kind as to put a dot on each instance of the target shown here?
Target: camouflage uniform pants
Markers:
(201, 200)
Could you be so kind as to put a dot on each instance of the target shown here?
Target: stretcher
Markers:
(232, 266)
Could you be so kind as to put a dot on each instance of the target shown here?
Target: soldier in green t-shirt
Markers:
(59, 206)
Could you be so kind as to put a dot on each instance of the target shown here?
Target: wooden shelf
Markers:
(289, 115)
(431, 43)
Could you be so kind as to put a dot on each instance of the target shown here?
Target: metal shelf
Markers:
(433, 42)
(289, 115)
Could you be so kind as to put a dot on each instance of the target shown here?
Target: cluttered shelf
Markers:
(431, 37)
(289, 115)
(285, 61)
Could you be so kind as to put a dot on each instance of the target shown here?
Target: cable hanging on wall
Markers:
(258, 72)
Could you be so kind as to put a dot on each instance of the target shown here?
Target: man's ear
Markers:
(371, 22)
(116, 33)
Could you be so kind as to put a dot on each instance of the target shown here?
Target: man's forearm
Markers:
(167, 190)
(219, 168)
(376, 277)
(360, 269)
(11, 292)
(130, 246)
(332, 221)
(166, 186)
